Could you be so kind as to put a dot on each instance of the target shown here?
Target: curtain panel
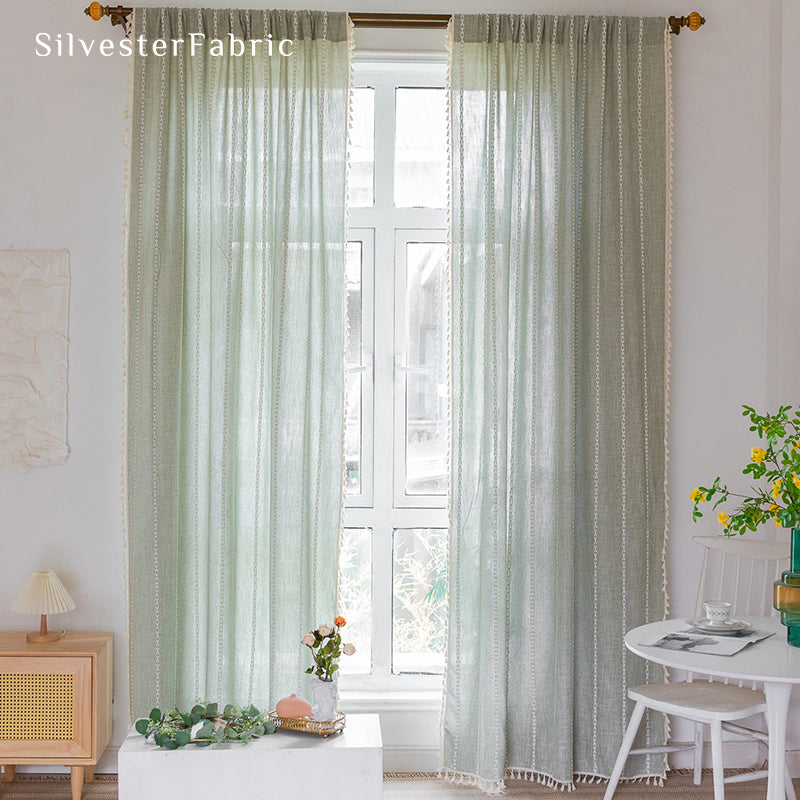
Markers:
(236, 335)
(560, 234)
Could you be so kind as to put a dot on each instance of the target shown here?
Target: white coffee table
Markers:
(292, 766)
(771, 661)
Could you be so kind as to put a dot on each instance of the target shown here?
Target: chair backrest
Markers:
(741, 570)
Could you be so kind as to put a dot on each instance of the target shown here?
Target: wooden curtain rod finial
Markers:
(692, 22)
(119, 14)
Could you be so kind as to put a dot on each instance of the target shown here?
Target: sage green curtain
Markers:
(236, 335)
(559, 263)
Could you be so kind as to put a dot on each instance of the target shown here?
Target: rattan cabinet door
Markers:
(45, 707)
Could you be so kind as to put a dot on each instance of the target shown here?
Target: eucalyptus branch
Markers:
(204, 725)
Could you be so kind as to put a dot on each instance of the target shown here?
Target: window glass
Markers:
(420, 174)
(426, 386)
(355, 598)
(419, 600)
(353, 426)
(361, 164)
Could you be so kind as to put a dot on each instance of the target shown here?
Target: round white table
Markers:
(771, 661)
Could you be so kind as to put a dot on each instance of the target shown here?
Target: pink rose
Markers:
(348, 649)
(325, 630)
(308, 639)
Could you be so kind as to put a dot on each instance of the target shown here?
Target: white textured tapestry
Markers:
(34, 308)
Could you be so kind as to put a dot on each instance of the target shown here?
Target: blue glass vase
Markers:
(786, 596)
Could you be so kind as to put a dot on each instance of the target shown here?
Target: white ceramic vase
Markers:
(325, 695)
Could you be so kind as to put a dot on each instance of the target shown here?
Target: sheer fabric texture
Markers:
(560, 187)
(236, 335)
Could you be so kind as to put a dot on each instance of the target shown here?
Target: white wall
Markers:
(736, 276)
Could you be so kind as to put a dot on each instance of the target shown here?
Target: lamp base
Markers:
(40, 638)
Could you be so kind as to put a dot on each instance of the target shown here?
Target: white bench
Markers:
(286, 765)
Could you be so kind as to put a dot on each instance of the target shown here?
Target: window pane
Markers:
(361, 164)
(420, 599)
(426, 386)
(352, 436)
(420, 166)
(355, 598)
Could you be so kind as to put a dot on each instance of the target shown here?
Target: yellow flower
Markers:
(724, 519)
(773, 507)
(795, 480)
(776, 488)
(758, 454)
(697, 495)
(776, 522)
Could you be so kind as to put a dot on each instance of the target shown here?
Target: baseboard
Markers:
(738, 755)
(399, 758)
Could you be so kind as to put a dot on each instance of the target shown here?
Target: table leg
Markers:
(88, 774)
(778, 695)
(9, 770)
(76, 780)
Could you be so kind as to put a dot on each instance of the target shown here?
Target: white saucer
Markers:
(733, 626)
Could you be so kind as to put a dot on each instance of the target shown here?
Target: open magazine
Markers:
(689, 640)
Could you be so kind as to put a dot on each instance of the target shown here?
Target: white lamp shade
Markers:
(43, 593)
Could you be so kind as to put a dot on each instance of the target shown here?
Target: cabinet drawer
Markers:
(45, 707)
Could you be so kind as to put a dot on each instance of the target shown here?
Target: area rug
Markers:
(416, 786)
(678, 786)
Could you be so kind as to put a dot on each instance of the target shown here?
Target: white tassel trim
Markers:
(485, 785)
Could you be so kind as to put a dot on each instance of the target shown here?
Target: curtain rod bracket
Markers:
(692, 22)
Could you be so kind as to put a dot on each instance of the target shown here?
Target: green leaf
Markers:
(182, 738)
(269, 727)
(211, 709)
(170, 744)
(199, 711)
(203, 744)
(142, 725)
(155, 715)
(229, 710)
(187, 720)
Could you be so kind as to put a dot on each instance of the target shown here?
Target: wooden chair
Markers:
(738, 569)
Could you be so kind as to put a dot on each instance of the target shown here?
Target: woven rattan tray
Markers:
(324, 729)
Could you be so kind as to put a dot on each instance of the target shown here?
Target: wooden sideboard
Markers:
(55, 702)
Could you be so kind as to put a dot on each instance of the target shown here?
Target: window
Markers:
(394, 551)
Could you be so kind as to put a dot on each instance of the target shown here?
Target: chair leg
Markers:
(698, 752)
(625, 748)
(790, 795)
(716, 760)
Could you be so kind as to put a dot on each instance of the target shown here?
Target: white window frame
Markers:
(389, 510)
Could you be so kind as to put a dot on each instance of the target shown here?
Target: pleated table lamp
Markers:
(43, 594)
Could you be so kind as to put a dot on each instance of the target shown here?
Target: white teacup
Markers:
(718, 612)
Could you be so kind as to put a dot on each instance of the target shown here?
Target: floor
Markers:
(427, 787)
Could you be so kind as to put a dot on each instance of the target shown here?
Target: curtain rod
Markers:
(119, 16)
